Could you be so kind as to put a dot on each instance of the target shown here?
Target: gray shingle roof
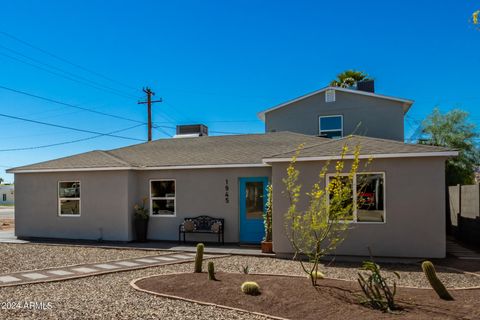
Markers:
(249, 149)
(368, 146)
(213, 150)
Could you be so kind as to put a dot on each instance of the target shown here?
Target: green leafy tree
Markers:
(1, 180)
(453, 130)
(349, 78)
(475, 17)
(322, 226)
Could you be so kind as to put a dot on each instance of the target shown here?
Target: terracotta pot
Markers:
(267, 247)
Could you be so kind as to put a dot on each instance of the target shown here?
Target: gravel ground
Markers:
(18, 257)
(111, 297)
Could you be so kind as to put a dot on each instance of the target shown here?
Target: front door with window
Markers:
(253, 199)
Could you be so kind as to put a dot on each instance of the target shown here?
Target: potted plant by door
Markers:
(267, 223)
(140, 220)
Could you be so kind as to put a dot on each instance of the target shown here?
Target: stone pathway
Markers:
(91, 269)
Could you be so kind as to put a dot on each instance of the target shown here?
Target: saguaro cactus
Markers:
(436, 284)
(199, 258)
(211, 271)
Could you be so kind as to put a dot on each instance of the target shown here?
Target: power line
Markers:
(65, 60)
(70, 142)
(69, 105)
(97, 85)
(64, 76)
(67, 128)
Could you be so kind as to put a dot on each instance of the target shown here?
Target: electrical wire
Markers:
(65, 60)
(70, 142)
(69, 105)
(68, 128)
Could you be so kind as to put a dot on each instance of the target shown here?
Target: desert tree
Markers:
(349, 78)
(322, 226)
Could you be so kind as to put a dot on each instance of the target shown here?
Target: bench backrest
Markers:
(205, 222)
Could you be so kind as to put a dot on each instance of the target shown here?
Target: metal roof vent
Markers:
(191, 130)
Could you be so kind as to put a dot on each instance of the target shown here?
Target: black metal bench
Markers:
(202, 224)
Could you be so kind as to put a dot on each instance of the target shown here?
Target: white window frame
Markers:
(163, 198)
(354, 190)
(59, 200)
(320, 131)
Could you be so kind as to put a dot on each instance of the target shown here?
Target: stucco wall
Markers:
(9, 192)
(198, 192)
(379, 118)
(415, 210)
(104, 206)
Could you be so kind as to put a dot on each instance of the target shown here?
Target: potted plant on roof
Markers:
(140, 218)
(267, 223)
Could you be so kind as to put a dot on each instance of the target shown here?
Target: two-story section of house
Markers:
(334, 112)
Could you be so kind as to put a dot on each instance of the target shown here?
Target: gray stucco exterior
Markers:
(108, 197)
(362, 115)
(414, 203)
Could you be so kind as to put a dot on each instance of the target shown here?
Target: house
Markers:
(91, 195)
(6, 194)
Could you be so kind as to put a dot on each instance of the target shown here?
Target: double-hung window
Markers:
(368, 196)
(331, 126)
(162, 198)
(69, 198)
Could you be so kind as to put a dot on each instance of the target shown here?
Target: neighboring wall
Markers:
(415, 209)
(464, 204)
(7, 192)
(104, 206)
(362, 115)
(198, 192)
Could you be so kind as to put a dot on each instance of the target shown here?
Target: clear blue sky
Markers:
(220, 62)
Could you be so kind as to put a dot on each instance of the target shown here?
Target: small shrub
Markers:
(377, 293)
(211, 271)
(199, 258)
(245, 269)
(250, 288)
(436, 284)
(317, 275)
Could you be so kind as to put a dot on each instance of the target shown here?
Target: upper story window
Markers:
(162, 198)
(69, 198)
(331, 126)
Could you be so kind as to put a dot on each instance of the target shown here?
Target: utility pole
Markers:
(149, 102)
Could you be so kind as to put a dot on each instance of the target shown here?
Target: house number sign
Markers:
(227, 195)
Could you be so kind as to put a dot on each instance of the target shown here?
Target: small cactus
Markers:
(211, 271)
(317, 275)
(436, 284)
(250, 288)
(199, 258)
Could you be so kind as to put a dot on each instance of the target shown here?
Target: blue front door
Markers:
(253, 199)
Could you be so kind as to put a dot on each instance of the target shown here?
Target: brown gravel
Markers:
(295, 298)
(18, 257)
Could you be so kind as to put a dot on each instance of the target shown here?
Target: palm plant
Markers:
(349, 78)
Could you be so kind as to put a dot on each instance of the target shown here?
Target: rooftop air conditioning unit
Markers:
(191, 130)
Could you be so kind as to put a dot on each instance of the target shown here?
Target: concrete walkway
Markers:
(92, 269)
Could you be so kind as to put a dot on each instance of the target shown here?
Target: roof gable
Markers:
(406, 102)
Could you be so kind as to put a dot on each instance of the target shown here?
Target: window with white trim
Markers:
(69, 198)
(368, 196)
(331, 126)
(162, 197)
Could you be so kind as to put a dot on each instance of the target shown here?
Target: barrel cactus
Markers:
(436, 284)
(211, 271)
(250, 288)
(199, 258)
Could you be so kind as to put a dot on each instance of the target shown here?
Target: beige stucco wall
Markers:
(415, 210)
(379, 118)
(198, 192)
(104, 206)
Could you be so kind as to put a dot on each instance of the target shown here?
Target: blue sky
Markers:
(219, 63)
